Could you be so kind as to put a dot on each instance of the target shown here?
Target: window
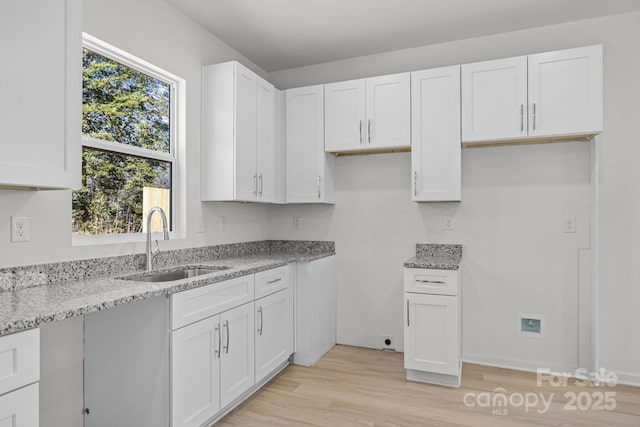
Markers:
(132, 138)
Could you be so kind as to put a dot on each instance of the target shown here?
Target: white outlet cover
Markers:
(447, 222)
(19, 229)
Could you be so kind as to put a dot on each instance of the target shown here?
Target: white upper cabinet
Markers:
(309, 169)
(548, 95)
(389, 111)
(494, 99)
(435, 135)
(345, 116)
(239, 150)
(368, 114)
(40, 82)
(565, 92)
(266, 149)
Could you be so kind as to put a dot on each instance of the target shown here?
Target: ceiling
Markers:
(282, 34)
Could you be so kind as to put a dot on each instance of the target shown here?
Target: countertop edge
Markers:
(38, 318)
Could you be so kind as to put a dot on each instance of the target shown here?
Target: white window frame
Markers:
(176, 155)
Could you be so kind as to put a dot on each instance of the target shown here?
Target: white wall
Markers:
(154, 31)
(514, 199)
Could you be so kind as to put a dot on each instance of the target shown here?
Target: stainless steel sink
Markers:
(169, 276)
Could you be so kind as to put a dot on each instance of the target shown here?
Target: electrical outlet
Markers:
(570, 224)
(223, 223)
(388, 342)
(19, 229)
(447, 222)
(297, 223)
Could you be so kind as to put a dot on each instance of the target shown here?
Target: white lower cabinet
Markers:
(179, 361)
(220, 357)
(432, 326)
(195, 372)
(20, 408)
(211, 365)
(19, 376)
(273, 332)
(237, 354)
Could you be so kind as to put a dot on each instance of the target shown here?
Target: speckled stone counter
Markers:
(443, 257)
(37, 294)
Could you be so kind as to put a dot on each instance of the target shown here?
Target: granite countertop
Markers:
(26, 307)
(442, 257)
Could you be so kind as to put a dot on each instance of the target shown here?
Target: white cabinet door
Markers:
(309, 169)
(431, 333)
(195, 372)
(565, 92)
(494, 99)
(40, 83)
(266, 149)
(237, 358)
(20, 408)
(273, 332)
(435, 135)
(388, 111)
(245, 129)
(344, 111)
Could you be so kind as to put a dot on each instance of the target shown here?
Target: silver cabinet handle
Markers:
(217, 352)
(438, 282)
(408, 313)
(361, 141)
(521, 117)
(369, 131)
(261, 320)
(261, 183)
(415, 183)
(255, 184)
(319, 193)
(226, 325)
(271, 282)
(534, 116)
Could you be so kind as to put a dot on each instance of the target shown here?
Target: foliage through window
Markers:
(128, 156)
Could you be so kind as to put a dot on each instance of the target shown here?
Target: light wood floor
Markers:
(352, 386)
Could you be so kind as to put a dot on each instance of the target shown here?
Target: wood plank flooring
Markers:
(353, 386)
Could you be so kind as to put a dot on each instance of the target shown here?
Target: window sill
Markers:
(115, 239)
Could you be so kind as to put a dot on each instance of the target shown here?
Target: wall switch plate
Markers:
(447, 222)
(570, 224)
(388, 342)
(297, 223)
(19, 229)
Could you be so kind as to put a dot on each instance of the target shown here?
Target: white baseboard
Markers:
(626, 378)
(513, 364)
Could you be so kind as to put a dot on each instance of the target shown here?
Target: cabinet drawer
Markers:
(19, 360)
(196, 304)
(20, 408)
(426, 281)
(270, 281)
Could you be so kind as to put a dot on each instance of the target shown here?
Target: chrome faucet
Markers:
(152, 253)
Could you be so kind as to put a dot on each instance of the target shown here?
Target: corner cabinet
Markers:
(40, 115)
(310, 171)
(240, 146)
(432, 336)
(368, 114)
(435, 135)
(554, 95)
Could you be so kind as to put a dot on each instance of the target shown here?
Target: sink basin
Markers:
(169, 276)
